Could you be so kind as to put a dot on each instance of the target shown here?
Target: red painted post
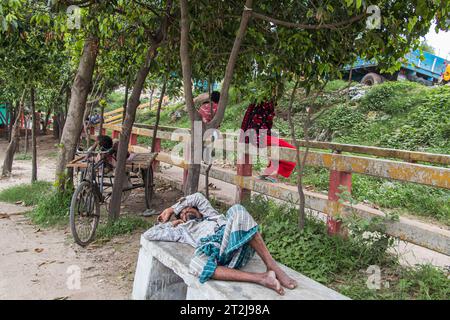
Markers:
(337, 179)
(133, 139)
(157, 149)
(115, 134)
(243, 170)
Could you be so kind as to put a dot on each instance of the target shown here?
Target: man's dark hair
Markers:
(105, 142)
(215, 96)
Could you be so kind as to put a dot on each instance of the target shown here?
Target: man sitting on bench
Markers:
(223, 244)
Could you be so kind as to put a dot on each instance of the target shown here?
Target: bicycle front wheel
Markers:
(84, 213)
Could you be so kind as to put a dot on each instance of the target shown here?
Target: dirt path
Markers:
(40, 263)
(44, 264)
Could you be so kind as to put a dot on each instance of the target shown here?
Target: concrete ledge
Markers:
(163, 273)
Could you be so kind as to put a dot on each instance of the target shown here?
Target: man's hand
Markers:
(177, 222)
(165, 215)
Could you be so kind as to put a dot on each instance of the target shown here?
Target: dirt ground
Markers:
(38, 263)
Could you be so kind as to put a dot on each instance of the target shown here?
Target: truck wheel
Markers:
(371, 79)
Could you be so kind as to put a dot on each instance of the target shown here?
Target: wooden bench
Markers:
(162, 273)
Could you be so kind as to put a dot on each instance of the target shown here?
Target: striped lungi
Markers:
(227, 247)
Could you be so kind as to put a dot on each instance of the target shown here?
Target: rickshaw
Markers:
(95, 179)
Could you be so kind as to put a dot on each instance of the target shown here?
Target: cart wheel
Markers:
(84, 213)
(147, 176)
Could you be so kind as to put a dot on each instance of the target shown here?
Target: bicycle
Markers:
(95, 188)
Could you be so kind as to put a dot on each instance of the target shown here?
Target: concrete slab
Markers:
(175, 258)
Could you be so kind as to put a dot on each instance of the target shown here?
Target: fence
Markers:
(401, 165)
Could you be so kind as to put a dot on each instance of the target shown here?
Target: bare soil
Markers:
(38, 263)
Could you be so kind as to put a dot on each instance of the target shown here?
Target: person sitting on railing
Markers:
(208, 109)
(223, 244)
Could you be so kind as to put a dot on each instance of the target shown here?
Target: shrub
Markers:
(53, 209)
(342, 263)
(426, 126)
(393, 97)
(29, 194)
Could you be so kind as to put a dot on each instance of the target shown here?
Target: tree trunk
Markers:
(119, 172)
(125, 102)
(102, 112)
(9, 117)
(152, 90)
(33, 136)
(158, 114)
(229, 71)
(194, 168)
(27, 136)
(13, 115)
(14, 143)
(46, 120)
(56, 124)
(74, 120)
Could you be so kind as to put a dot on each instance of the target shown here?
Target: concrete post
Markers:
(337, 179)
(243, 170)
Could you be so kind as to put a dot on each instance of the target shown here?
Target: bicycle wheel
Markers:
(147, 176)
(84, 213)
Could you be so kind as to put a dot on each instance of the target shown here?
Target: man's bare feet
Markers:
(270, 281)
(284, 279)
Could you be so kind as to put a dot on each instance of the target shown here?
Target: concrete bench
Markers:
(162, 273)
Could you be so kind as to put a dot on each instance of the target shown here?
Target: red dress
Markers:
(260, 117)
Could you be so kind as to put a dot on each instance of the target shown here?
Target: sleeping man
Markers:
(223, 244)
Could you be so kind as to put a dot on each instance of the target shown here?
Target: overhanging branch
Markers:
(335, 25)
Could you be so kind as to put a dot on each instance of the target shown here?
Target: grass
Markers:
(402, 197)
(29, 194)
(124, 225)
(52, 210)
(23, 156)
(342, 264)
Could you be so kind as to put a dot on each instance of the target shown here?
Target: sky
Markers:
(440, 41)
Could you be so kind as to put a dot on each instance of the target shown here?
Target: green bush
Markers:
(29, 194)
(341, 120)
(342, 263)
(427, 125)
(311, 251)
(53, 209)
(393, 97)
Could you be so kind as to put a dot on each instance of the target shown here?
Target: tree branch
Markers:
(335, 25)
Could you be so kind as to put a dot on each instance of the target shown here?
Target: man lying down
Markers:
(223, 244)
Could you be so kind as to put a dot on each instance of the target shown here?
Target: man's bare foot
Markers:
(270, 281)
(284, 279)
